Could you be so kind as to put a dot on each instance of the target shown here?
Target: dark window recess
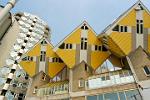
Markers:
(44, 42)
(85, 46)
(21, 94)
(86, 28)
(121, 28)
(15, 62)
(116, 28)
(60, 60)
(86, 67)
(20, 98)
(147, 70)
(22, 47)
(125, 29)
(12, 70)
(96, 47)
(99, 48)
(30, 30)
(12, 93)
(81, 45)
(8, 80)
(43, 56)
(25, 41)
(34, 21)
(141, 26)
(3, 92)
(62, 46)
(27, 35)
(82, 27)
(104, 48)
(19, 15)
(19, 54)
(32, 25)
(67, 46)
(70, 46)
(137, 28)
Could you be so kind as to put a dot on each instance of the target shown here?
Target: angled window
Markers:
(146, 70)
(116, 28)
(120, 28)
(139, 26)
(43, 56)
(83, 43)
(28, 58)
(98, 48)
(84, 27)
(81, 83)
(125, 29)
(104, 48)
(62, 46)
(68, 46)
(43, 42)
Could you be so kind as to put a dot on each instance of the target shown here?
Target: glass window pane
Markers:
(122, 96)
(111, 96)
(100, 97)
(92, 98)
(133, 95)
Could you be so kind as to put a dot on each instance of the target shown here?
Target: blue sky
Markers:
(63, 16)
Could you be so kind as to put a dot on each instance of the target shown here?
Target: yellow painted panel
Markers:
(92, 38)
(74, 37)
(149, 43)
(68, 56)
(55, 68)
(49, 51)
(29, 67)
(129, 19)
(35, 51)
(97, 58)
(123, 40)
(113, 47)
(146, 18)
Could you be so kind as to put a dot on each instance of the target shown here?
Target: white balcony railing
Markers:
(110, 79)
(58, 89)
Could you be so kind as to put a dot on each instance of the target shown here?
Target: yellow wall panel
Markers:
(55, 68)
(129, 19)
(93, 38)
(74, 37)
(29, 67)
(35, 51)
(97, 58)
(123, 40)
(149, 43)
(49, 51)
(68, 56)
(146, 18)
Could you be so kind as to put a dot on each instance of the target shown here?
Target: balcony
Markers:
(109, 79)
(53, 88)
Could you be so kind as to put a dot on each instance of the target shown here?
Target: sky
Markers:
(63, 16)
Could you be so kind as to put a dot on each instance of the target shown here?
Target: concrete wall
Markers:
(8, 41)
(140, 58)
